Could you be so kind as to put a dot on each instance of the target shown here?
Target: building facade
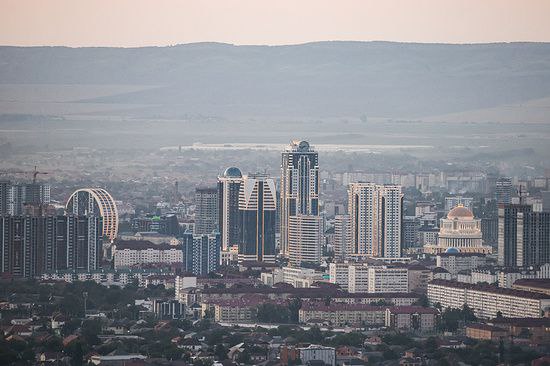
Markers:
(129, 254)
(387, 279)
(299, 191)
(229, 185)
(32, 245)
(201, 253)
(305, 235)
(342, 238)
(523, 236)
(504, 190)
(206, 211)
(488, 300)
(97, 202)
(257, 210)
(375, 219)
(459, 231)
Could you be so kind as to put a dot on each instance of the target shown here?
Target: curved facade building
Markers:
(96, 201)
(461, 232)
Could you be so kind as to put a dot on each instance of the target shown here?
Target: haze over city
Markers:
(274, 183)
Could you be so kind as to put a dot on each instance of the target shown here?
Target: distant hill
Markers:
(375, 79)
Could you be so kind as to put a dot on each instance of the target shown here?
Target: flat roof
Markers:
(490, 288)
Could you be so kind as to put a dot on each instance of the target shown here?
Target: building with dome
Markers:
(229, 185)
(460, 232)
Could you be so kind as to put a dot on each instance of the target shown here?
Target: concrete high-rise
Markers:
(5, 196)
(201, 253)
(342, 240)
(305, 233)
(257, 210)
(375, 219)
(504, 190)
(206, 210)
(31, 245)
(14, 197)
(299, 186)
(229, 185)
(523, 236)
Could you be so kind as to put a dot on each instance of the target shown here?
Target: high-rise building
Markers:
(342, 239)
(257, 210)
(201, 253)
(229, 185)
(411, 224)
(375, 219)
(305, 234)
(508, 232)
(31, 245)
(5, 197)
(454, 201)
(14, 197)
(504, 190)
(206, 211)
(524, 236)
(95, 202)
(299, 186)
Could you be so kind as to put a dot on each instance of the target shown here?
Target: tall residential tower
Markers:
(375, 219)
(299, 197)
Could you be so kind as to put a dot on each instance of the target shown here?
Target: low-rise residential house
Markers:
(411, 318)
(341, 314)
(485, 332)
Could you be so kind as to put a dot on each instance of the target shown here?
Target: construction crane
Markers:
(34, 173)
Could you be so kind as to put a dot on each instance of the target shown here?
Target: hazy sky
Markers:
(163, 22)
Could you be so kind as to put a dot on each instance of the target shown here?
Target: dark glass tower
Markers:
(257, 210)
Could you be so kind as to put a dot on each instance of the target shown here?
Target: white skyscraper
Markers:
(299, 187)
(305, 233)
(342, 240)
(375, 219)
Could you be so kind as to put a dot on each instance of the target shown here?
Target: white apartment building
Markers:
(486, 300)
(342, 240)
(305, 237)
(387, 279)
(358, 278)
(339, 274)
(128, 254)
(297, 277)
(457, 262)
(375, 219)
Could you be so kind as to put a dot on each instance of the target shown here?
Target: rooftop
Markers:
(541, 283)
(489, 288)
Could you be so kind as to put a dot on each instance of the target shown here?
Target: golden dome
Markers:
(460, 212)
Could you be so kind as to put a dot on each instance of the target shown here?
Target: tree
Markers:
(74, 350)
(423, 301)
(90, 331)
(272, 313)
(294, 307)
(468, 314)
(221, 352)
